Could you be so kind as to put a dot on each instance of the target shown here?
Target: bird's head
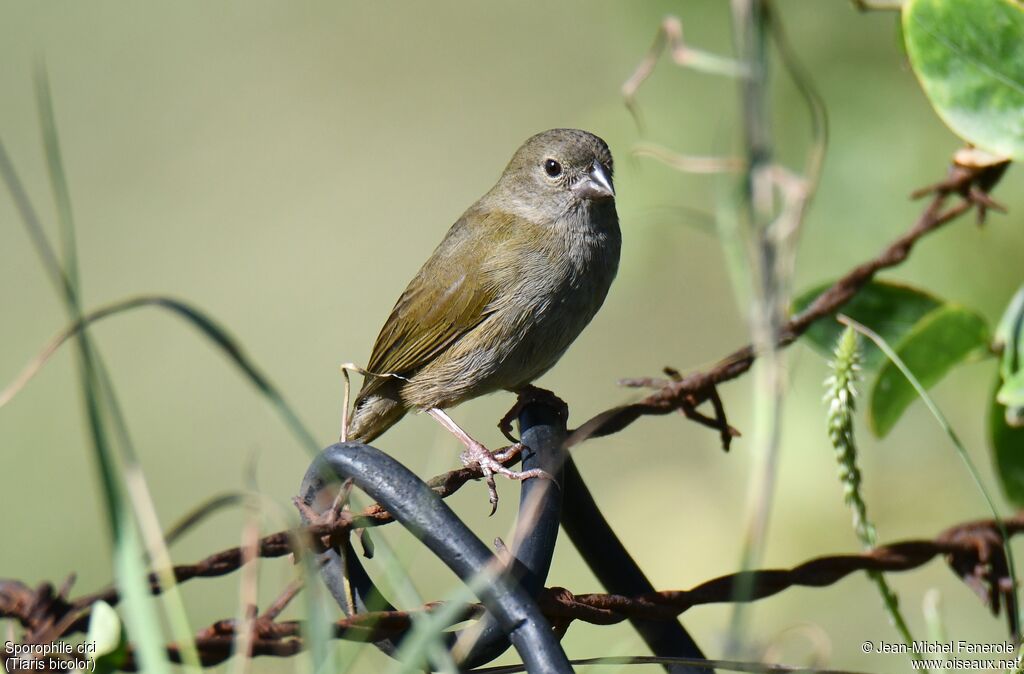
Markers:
(558, 171)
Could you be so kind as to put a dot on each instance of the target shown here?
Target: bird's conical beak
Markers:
(596, 184)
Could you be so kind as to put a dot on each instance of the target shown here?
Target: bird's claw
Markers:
(525, 396)
(492, 463)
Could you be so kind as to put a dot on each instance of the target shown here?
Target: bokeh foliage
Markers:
(288, 167)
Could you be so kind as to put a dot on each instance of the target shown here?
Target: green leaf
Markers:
(1011, 393)
(1009, 336)
(1007, 444)
(1009, 339)
(1009, 328)
(958, 444)
(106, 637)
(940, 340)
(969, 58)
(104, 629)
(890, 309)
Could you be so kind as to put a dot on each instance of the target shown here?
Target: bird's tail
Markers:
(373, 415)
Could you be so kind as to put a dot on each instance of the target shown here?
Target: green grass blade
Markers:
(142, 619)
(424, 643)
(710, 665)
(58, 181)
(143, 510)
(33, 226)
(948, 429)
(208, 327)
(197, 514)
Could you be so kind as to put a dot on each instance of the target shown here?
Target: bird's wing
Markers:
(446, 299)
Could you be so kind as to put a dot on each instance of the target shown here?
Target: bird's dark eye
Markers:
(552, 168)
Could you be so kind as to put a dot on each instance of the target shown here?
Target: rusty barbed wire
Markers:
(972, 182)
(974, 550)
(679, 393)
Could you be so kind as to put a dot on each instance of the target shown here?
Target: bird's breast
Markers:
(557, 301)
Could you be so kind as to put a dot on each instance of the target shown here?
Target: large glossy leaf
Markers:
(1007, 444)
(969, 58)
(890, 309)
(940, 340)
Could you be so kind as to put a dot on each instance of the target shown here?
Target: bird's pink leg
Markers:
(476, 454)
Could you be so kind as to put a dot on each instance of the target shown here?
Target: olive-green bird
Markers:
(513, 283)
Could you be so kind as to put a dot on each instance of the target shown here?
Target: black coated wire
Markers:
(512, 613)
(615, 568)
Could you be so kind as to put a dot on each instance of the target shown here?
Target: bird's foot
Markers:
(526, 395)
(492, 463)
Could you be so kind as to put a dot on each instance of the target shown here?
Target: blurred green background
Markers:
(287, 167)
